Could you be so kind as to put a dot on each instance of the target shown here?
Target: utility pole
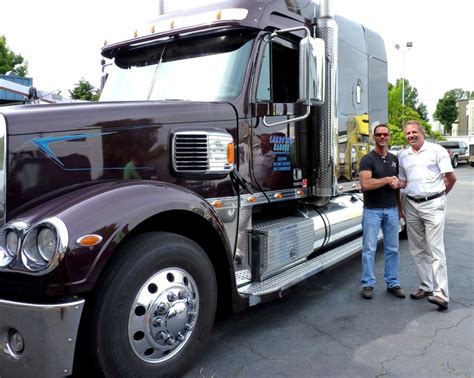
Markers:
(408, 46)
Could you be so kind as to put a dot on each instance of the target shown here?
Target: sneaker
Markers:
(367, 292)
(397, 291)
(438, 301)
(420, 293)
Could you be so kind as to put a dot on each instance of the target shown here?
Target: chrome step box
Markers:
(278, 244)
(256, 291)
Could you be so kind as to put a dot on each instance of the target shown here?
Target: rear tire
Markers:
(155, 308)
(455, 162)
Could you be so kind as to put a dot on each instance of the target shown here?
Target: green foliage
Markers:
(399, 114)
(446, 109)
(422, 111)
(411, 93)
(84, 91)
(395, 94)
(9, 61)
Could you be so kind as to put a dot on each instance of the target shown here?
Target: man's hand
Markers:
(394, 182)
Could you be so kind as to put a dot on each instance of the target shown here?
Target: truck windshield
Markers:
(205, 69)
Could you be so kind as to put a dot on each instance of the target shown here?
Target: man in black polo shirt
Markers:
(379, 182)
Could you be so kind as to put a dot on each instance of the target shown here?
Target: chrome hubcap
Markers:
(163, 315)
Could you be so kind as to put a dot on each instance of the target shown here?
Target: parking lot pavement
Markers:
(323, 328)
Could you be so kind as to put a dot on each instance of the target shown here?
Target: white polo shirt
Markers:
(424, 170)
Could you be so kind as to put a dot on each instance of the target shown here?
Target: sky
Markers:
(61, 40)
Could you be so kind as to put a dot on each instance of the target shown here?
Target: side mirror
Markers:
(312, 71)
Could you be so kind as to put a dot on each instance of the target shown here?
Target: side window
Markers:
(263, 88)
(278, 78)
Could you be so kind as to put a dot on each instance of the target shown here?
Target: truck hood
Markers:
(35, 119)
(55, 149)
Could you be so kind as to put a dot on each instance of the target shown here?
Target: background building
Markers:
(463, 128)
(8, 97)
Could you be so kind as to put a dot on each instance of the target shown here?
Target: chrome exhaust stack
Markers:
(326, 124)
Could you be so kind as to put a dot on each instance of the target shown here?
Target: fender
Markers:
(112, 210)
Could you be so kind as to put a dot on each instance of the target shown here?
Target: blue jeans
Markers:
(372, 221)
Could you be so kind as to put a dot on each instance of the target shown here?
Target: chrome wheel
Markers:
(163, 315)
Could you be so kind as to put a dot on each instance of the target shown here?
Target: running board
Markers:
(296, 274)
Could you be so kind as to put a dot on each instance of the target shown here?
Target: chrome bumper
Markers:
(49, 334)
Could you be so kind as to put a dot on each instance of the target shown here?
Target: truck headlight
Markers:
(38, 247)
(47, 243)
(11, 242)
(30, 254)
(44, 245)
(9, 249)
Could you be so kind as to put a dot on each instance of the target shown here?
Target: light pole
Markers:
(408, 46)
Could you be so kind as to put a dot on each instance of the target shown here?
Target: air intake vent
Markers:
(202, 152)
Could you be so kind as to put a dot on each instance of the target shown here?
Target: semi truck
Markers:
(218, 169)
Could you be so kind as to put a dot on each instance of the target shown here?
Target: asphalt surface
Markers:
(323, 328)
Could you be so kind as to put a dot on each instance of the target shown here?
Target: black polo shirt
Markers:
(384, 196)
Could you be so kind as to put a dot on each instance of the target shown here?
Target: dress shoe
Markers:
(367, 292)
(420, 294)
(438, 301)
(397, 291)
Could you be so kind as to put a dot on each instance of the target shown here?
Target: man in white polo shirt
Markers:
(427, 175)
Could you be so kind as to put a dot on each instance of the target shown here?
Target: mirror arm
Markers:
(304, 116)
(282, 31)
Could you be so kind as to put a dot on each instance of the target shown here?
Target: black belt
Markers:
(424, 199)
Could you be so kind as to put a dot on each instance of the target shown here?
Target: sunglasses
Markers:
(378, 135)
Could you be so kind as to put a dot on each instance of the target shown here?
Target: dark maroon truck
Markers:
(219, 169)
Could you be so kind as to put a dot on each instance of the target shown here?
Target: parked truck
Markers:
(218, 169)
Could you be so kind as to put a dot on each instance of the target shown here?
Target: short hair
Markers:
(421, 129)
(381, 125)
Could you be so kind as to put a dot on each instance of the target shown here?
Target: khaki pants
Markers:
(425, 229)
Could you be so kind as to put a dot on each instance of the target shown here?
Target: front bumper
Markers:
(49, 334)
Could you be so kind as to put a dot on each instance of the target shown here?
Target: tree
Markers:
(422, 111)
(9, 61)
(399, 114)
(446, 109)
(411, 97)
(84, 91)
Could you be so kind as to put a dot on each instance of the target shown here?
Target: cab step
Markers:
(296, 274)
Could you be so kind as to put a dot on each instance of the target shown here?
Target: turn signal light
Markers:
(217, 204)
(89, 240)
(230, 153)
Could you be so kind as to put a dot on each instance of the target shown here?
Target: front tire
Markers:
(155, 309)
(455, 162)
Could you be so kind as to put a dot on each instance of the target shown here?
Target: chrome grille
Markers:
(190, 153)
(202, 152)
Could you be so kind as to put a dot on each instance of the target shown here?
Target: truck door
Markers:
(274, 165)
